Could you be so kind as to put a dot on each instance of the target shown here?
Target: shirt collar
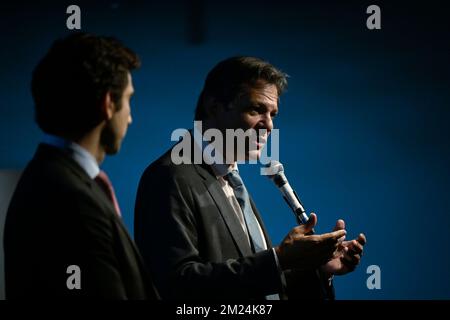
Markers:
(79, 154)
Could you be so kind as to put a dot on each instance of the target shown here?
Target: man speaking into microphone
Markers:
(196, 224)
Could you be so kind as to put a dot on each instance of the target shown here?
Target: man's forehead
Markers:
(267, 93)
(130, 83)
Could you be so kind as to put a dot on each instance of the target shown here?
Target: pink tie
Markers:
(103, 180)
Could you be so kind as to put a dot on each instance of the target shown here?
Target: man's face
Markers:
(255, 110)
(116, 128)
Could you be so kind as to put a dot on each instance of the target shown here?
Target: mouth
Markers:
(259, 145)
(261, 142)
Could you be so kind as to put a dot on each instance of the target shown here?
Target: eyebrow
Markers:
(264, 106)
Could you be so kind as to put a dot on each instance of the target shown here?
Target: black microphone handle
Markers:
(299, 213)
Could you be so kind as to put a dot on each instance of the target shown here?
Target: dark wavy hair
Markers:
(231, 78)
(69, 83)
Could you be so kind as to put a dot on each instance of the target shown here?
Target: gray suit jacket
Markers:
(191, 239)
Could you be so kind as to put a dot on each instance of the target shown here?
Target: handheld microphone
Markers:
(275, 172)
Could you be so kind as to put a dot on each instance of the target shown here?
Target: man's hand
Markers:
(347, 256)
(301, 251)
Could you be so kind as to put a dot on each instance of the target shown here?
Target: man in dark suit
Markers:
(195, 223)
(64, 237)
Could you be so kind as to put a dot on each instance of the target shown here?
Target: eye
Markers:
(253, 110)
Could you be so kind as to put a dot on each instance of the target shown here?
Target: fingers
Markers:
(325, 254)
(308, 226)
(340, 224)
(341, 239)
(350, 259)
(311, 223)
(362, 239)
(340, 249)
(331, 242)
(313, 216)
(329, 245)
(333, 236)
(356, 246)
(352, 252)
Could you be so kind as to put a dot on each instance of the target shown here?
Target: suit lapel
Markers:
(100, 195)
(226, 210)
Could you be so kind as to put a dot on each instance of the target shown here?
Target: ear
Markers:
(108, 107)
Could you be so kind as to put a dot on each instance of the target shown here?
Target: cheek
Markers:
(247, 121)
(126, 111)
(126, 119)
(121, 121)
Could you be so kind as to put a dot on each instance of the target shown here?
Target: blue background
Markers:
(363, 127)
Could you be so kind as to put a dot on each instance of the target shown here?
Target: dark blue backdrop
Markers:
(363, 127)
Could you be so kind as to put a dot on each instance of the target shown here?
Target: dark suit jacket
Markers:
(193, 243)
(58, 217)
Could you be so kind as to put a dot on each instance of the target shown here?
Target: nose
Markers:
(266, 122)
(130, 119)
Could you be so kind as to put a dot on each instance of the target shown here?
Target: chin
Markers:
(111, 150)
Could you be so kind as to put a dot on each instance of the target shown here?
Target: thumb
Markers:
(310, 224)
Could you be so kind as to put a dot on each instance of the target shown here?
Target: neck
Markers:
(91, 142)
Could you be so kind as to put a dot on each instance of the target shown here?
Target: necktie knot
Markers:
(234, 179)
(106, 185)
(103, 178)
